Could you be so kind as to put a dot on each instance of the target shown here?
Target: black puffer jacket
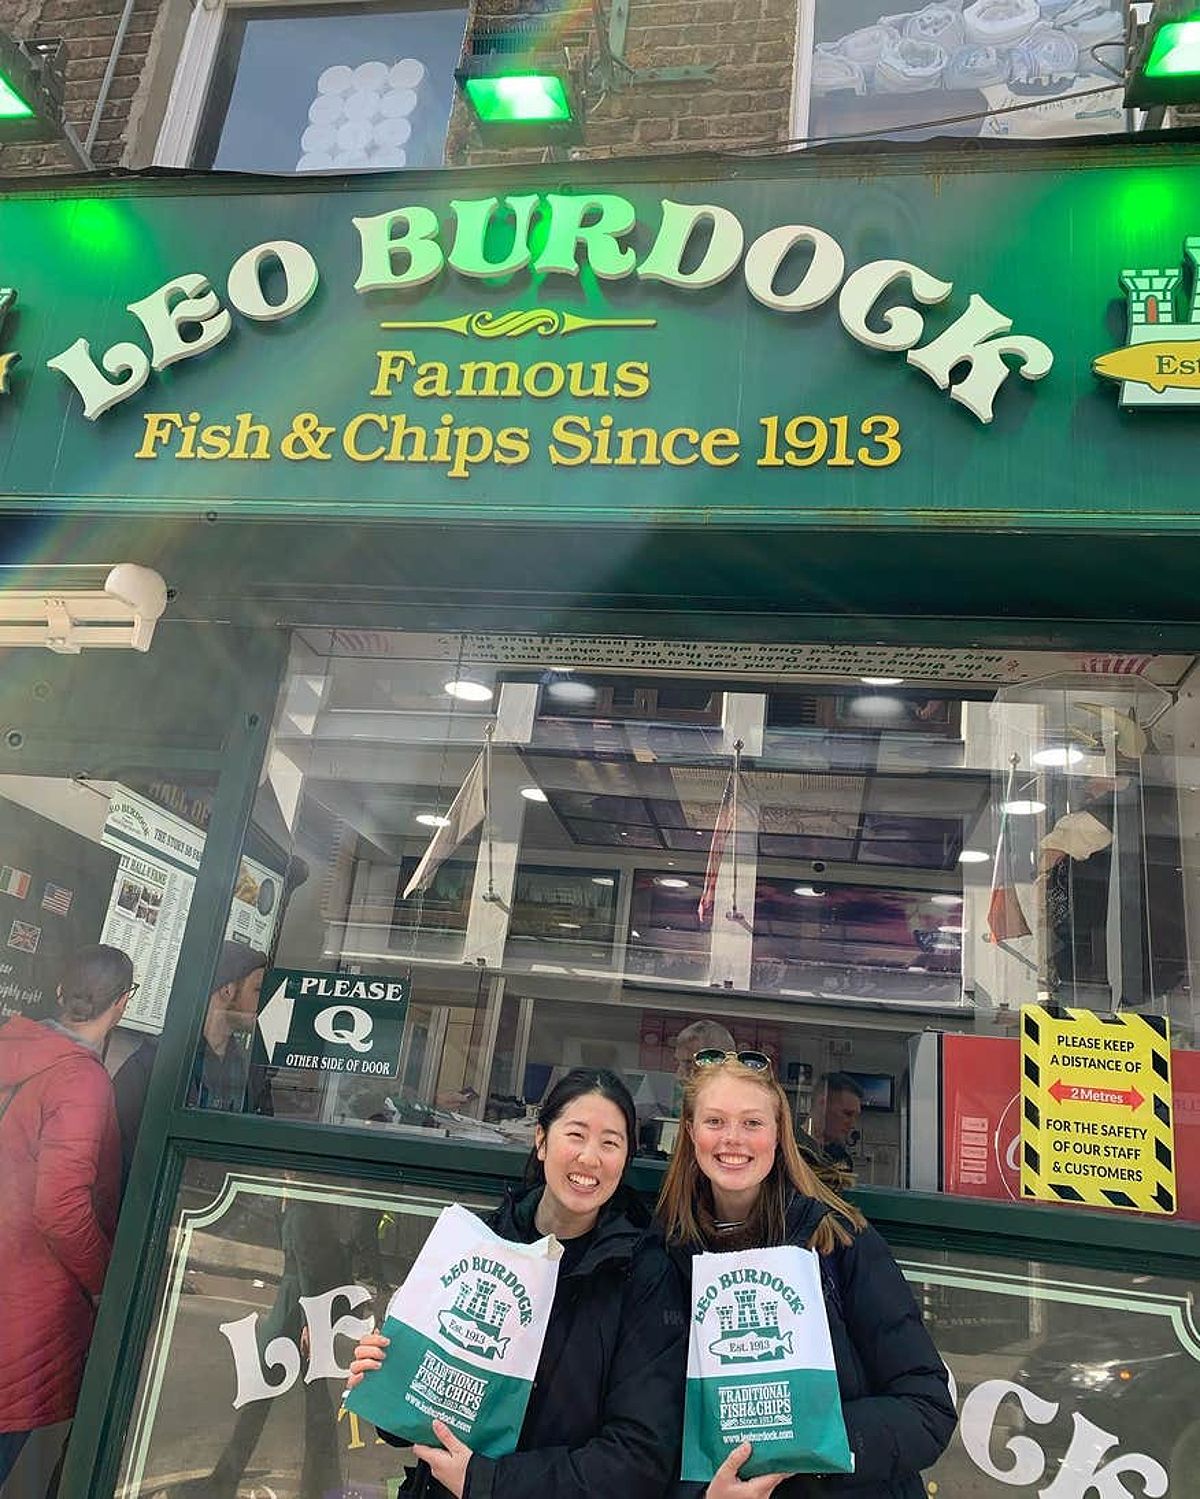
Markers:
(894, 1387)
(605, 1414)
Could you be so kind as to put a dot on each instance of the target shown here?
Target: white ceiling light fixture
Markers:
(121, 614)
(534, 794)
(671, 882)
(810, 891)
(973, 856)
(468, 692)
(567, 691)
(603, 879)
(945, 900)
(432, 820)
(1059, 757)
(1022, 807)
(881, 681)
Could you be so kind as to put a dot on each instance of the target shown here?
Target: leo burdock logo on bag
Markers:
(749, 1331)
(749, 1327)
(487, 1293)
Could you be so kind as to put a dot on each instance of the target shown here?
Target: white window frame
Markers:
(802, 66)
(194, 69)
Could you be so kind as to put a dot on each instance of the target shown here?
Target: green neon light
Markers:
(519, 99)
(1176, 50)
(12, 106)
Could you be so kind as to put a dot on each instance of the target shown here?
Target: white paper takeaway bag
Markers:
(466, 1331)
(760, 1367)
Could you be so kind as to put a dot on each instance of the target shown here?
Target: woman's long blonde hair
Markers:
(681, 1205)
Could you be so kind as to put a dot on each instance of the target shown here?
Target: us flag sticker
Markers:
(57, 898)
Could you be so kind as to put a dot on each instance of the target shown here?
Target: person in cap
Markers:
(222, 1077)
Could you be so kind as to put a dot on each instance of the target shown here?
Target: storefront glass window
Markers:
(1087, 1380)
(476, 863)
(339, 87)
(997, 69)
(270, 1278)
(96, 883)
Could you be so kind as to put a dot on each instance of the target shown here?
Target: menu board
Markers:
(151, 896)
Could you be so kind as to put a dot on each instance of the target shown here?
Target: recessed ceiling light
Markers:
(917, 968)
(603, 879)
(469, 692)
(671, 882)
(566, 691)
(534, 794)
(973, 856)
(945, 900)
(1022, 807)
(809, 890)
(432, 820)
(881, 681)
(1059, 757)
(877, 706)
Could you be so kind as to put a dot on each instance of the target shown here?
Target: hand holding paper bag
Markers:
(727, 1485)
(463, 1336)
(761, 1370)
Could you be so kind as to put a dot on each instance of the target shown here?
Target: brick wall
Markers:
(89, 28)
(748, 45)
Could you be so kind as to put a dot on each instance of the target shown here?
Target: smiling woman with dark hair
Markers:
(607, 1404)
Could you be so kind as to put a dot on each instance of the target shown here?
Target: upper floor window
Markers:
(996, 69)
(314, 88)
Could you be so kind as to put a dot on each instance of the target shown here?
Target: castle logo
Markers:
(476, 1320)
(750, 1330)
(1160, 364)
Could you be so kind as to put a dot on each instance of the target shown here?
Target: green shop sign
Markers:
(797, 347)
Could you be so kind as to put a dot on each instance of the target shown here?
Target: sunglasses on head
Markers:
(713, 1056)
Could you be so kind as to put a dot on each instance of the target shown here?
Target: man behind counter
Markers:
(837, 1108)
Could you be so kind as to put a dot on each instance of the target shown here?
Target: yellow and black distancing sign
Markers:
(1097, 1124)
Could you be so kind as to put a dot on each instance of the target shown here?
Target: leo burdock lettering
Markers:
(484, 1265)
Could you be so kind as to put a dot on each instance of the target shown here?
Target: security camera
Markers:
(819, 866)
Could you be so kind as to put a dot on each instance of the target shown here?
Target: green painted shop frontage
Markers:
(864, 484)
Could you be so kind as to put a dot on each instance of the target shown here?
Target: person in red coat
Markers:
(60, 1177)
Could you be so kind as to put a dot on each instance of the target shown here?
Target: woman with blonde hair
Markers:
(738, 1181)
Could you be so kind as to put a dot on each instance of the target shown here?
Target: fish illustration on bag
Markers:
(475, 1321)
(750, 1332)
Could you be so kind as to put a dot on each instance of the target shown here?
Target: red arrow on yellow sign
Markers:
(1062, 1092)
